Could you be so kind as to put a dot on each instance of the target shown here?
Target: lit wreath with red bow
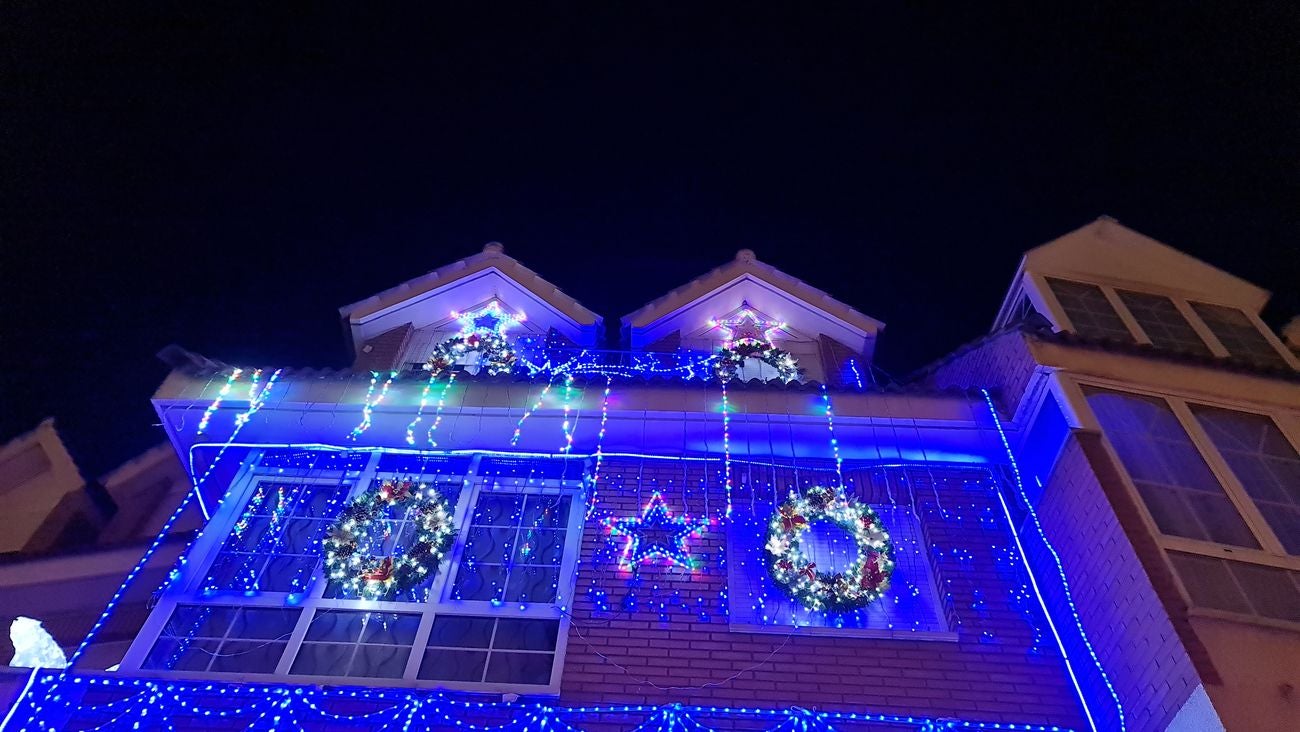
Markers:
(865, 579)
(495, 355)
(360, 553)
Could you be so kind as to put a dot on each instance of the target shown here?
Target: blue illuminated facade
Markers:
(612, 559)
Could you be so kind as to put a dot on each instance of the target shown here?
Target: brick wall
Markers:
(671, 647)
(1121, 610)
(384, 350)
(1001, 363)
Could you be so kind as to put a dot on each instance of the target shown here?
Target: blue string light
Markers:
(151, 704)
(1060, 568)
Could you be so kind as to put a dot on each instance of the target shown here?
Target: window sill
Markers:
(1242, 619)
(825, 632)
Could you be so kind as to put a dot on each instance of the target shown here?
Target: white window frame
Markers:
(1271, 553)
(187, 590)
(1181, 301)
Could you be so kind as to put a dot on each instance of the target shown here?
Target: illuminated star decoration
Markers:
(747, 327)
(656, 535)
(490, 318)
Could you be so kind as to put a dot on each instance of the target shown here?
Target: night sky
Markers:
(227, 181)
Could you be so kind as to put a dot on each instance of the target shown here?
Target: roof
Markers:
(493, 256)
(1036, 327)
(1106, 250)
(744, 264)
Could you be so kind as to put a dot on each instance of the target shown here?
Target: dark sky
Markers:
(225, 181)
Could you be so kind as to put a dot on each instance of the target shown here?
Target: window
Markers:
(1238, 334)
(489, 619)
(223, 638)
(363, 644)
(1176, 484)
(503, 650)
(1163, 323)
(274, 546)
(1089, 311)
(1264, 462)
(1239, 587)
(1167, 446)
(911, 608)
(513, 548)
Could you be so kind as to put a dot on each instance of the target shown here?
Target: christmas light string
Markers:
(256, 399)
(835, 444)
(567, 447)
(600, 449)
(519, 426)
(726, 447)
(216, 403)
(290, 706)
(419, 413)
(437, 415)
(367, 410)
(1060, 568)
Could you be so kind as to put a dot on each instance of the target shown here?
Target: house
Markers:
(493, 519)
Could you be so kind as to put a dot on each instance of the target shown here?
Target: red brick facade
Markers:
(1002, 667)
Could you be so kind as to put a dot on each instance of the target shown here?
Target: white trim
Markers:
(188, 591)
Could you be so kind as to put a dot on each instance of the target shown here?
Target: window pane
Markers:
(520, 668)
(257, 657)
(1237, 332)
(447, 665)
(223, 639)
(380, 662)
(529, 635)
(1089, 310)
(1209, 583)
(1183, 496)
(1265, 463)
(452, 630)
(1269, 590)
(322, 659)
(1163, 323)
(274, 546)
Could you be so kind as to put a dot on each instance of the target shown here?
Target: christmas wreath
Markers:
(495, 355)
(359, 550)
(867, 576)
(732, 358)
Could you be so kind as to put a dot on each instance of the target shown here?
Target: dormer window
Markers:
(1163, 323)
(1238, 334)
(1090, 312)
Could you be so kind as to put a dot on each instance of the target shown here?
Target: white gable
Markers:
(427, 302)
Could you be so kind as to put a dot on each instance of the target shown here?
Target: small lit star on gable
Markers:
(747, 327)
(490, 318)
(656, 534)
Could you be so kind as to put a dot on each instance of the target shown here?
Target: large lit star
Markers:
(747, 327)
(656, 534)
(490, 318)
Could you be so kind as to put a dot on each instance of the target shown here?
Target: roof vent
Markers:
(745, 255)
(494, 247)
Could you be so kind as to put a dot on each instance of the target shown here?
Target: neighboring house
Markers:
(538, 532)
(1160, 423)
(77, 553)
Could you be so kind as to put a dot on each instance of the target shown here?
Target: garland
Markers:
(362, 527)
(866, 578)
(496, 355)
(732, 357)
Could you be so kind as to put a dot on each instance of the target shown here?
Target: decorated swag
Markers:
(867, 576)
(495, 354)
(354, 549)
(731, 358)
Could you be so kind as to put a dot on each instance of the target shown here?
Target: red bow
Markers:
(395, 493)
(809, 570)
(784, 565)
(472, 340)
(791, 520)
(380, 573)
